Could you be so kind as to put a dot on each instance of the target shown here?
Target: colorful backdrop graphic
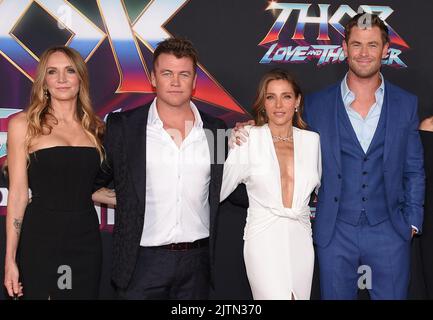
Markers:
(323, 46)
(237, 40)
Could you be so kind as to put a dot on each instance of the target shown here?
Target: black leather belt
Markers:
(184, 246)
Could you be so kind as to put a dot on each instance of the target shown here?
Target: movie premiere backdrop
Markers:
(237, 40)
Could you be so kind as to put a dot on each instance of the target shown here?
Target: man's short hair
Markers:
(364, 21)
(178, 47)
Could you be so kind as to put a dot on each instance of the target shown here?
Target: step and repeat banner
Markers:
(237, 41)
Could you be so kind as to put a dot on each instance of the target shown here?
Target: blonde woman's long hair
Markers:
(39, 109)
(259, 111)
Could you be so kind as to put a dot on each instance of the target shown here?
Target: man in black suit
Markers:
(166, 160)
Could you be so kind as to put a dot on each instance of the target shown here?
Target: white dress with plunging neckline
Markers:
(278, 247)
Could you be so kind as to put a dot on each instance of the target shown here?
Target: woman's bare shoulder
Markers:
(18, 122)
(18, 118)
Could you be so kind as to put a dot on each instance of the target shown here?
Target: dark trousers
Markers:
(162, 274)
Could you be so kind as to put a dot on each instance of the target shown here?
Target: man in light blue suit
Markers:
(370, 203)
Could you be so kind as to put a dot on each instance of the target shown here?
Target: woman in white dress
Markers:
(280, 165)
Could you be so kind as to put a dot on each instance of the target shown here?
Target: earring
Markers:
(296, 109)
(46, 94)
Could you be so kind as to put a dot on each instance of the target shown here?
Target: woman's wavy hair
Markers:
(259, 111)
(39, 109)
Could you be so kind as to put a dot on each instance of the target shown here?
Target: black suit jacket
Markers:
(125, 164)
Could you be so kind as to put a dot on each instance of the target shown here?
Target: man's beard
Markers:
(364, 73)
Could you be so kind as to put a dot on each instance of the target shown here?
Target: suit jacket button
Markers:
(336, 199)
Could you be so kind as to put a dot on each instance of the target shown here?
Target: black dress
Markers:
(59, 253)
(426, 239)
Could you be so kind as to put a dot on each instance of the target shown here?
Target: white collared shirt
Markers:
(177, 184)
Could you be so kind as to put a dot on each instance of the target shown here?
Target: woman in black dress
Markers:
(53, 248)
(426, 239)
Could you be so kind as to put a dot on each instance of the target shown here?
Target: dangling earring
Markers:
(296, 109)
(46, 94)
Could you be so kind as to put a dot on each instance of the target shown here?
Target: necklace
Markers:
(284, 139)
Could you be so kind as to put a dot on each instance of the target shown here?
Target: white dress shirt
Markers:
(177, 184)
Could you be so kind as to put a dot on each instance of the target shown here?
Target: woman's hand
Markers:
(105, 195)
(11, 283)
